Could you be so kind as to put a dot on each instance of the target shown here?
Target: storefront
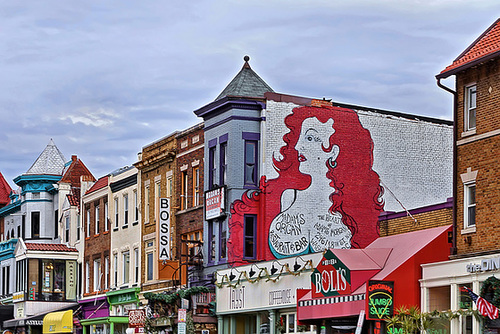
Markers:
(443, 288)
(95, 315)
(358, 287)
(262, 297)
(120, 303)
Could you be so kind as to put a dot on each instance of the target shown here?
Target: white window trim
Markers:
(467, 205)
(468, 130)
(468, 179)
(96, 231)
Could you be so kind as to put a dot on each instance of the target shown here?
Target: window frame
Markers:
(97, 274)
(106, 217)
(126, 267)
(212, 243)
(87, 233)
(223, 163)
(117, 213)
(469, 205)
(196, 186)
(97, 220)
(252, 164)
(184, 190)
(469, 108)
(251, 238)
(125, 210)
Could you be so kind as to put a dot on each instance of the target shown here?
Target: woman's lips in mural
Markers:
(302, 158)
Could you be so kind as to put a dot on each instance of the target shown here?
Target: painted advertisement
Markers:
(325, 181)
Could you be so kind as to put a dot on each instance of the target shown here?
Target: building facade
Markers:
(474, 260)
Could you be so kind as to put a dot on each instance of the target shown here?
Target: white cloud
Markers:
(100, 117)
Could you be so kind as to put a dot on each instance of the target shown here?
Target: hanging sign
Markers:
(214, 203)
(379, 297)
(164, 230)
(331, 277)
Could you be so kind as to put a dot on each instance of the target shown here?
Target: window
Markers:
(249, 247)
(106, 273)
(196, 186)
(211, 241)
(87, 233)
(115, 269)
(87, 277)
(78, 227)
(169, 186)
(470, 108)
(157, 199)
(97, 275)
(126, 267)
(184, 190)
(125, 210)
(146, 204)
(136, 265)
(106, 217)
(211, 167)
(250, 163)
(97, 220)
(223, 164)
(223, 241)
(56, 224)
(136, 207)
(470, 205)
(149, 266)
(35, 225)
(66, 229)
(116, 213)
(5, 280)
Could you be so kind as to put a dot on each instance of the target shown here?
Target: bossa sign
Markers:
(331, 277)
(164, 230)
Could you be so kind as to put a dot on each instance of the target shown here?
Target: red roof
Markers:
(485, 47)
(73, 200)
(101, 183)
(49, 247)
(5, 190)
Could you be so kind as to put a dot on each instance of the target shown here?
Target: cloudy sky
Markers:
(105, 78)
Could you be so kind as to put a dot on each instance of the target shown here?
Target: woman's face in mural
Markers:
(314, 136)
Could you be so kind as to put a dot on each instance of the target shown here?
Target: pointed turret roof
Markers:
(5, 191)
(486, 47)
(246, 83)
(50, 162)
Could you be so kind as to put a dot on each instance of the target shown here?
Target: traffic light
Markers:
(212, 309)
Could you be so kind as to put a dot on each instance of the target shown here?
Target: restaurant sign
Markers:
(379, 297)
(331, 277)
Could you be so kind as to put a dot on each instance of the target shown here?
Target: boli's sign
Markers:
(331, 277)
(164, 230)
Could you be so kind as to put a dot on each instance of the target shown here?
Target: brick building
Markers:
(475, 251)
(157, 172)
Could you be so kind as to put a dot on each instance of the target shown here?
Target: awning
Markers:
(58, 322)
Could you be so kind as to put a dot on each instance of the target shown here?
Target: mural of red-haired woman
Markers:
(329, 195)
(326, 194)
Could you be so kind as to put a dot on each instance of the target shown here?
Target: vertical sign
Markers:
(71, 280)
(164, 230)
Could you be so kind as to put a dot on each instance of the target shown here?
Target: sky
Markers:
(105, 78)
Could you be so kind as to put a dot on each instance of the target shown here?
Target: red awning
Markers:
(401, 265)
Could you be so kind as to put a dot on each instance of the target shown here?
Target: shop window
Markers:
(470, 108)
(439, 298)
(249, 247)
(465, 303)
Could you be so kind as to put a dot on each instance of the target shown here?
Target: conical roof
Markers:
(246, 84)
(50, 162)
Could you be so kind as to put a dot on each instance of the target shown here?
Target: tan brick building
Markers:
(157, 169)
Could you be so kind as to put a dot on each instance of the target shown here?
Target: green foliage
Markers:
(492, 285)
(171, 298)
